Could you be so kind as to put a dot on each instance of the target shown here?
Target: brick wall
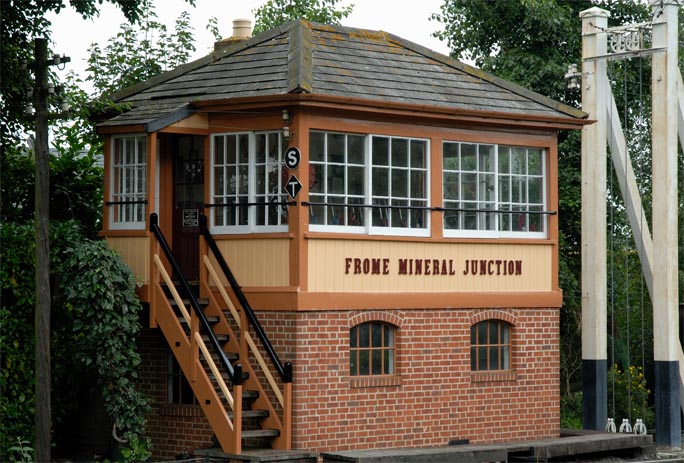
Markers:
(173, 428)
(434, 397)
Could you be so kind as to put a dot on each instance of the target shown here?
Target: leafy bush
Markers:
(628, 391)
(571, 411)
(95, 323)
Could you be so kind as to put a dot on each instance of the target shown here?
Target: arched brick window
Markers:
(490, 346)
(371, 349)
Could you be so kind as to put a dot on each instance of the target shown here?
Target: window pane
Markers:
(388, 362)
(494, 358)
(399, 152)
(418, 154)
(355, 149)
(535, 190)
(335, 180)
(482, 333)
(450, 156)
(505, 358)
(473, 358)
(468, 157)
(260, 149)
(354, 336)
(376, 334)
(364, 335)
(504, 160)
(518, 161)
(418, 184)
(534, 162)
(364, 362)
(469, 187)
(487, 158)
(316, 146)
(243, 150)
(380, 181)
(355, 181)
(493, 332)
(376, 362)
(336, 148)
(451, 190)
(353, 362)
(380, 151)
(400, 183)
(482, 358)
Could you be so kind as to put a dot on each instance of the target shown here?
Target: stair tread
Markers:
(252, 414)
(260, 433)
(202, 301)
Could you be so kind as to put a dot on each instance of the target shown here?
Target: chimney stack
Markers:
(242, 30)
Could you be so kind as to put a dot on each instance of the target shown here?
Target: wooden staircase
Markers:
(210, 338)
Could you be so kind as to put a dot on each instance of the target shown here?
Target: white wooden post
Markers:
(594, 222)
(665, 256)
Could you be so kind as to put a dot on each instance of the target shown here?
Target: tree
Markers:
(276, 12)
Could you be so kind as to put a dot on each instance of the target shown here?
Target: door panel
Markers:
(188, 201)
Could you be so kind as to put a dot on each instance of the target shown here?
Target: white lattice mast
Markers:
(658, 255)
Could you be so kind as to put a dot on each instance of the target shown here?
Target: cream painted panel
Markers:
(262, 262)
(196, 121)
(330, 271)
(136, 253)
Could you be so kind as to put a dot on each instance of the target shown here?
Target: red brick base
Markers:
(433, 398)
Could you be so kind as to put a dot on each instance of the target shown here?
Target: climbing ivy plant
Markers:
(104, 311)
(95, 325)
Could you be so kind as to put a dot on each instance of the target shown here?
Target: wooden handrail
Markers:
(248, 337)
(214, 369)
(169, 283)
(284, 370)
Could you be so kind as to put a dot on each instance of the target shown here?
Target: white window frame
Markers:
(498, 202)
(123, 175)
(324, 195)
(400, 231)
(252, 195)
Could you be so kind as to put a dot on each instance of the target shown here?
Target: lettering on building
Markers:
(433, 267)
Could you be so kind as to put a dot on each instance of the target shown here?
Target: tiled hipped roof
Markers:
(336, 61)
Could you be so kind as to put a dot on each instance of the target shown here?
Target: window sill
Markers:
(492, 376)
(375, 381)
(188, 410)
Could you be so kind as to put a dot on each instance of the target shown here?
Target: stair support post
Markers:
(237, 417)
(287, 416)
(194, 347)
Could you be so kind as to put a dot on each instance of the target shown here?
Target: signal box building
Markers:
(388, 218)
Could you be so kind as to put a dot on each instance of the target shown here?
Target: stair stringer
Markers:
(264, 401)
(224, 428)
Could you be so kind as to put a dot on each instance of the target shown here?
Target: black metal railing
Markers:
(283, 369)
(234, 372)
(424, 208)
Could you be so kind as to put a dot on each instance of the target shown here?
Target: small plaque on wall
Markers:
(190, 217)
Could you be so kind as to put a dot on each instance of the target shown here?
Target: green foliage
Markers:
(571, 411)
(22, 21)
(22, 452)
(17, 378)
(76, 183)
(95, 323)
(276, 12)
(104, 311)
(628, 396)
(135, 55)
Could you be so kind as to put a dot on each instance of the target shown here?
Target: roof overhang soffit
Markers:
(377, 108)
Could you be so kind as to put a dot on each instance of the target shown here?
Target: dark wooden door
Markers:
(188, 201)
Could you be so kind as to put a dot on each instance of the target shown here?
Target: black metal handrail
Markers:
(283, 369)
(258, 203)
(425, 208)
(234, 372)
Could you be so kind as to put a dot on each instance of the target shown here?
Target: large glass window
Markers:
(490, 346)
(128, 182)
(247, 182)
(371, 349)
(337, 179)
(482, 183)
(399, 179)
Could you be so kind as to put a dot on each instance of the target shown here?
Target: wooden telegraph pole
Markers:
(41, 93)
